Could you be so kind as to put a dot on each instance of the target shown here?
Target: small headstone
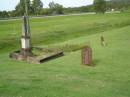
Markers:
(103, 43)
(87, 56)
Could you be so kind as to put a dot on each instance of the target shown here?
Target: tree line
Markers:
(36, 8)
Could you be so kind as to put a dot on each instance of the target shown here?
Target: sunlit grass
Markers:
(65, 76)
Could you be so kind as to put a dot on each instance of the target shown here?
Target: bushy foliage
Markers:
(55, 8)
(20, 8)
(81, 9)
(37, 7)
(100, 6)
(118, 4)
(4, 14)
(34, 8)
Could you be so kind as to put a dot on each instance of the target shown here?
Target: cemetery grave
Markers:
(26, 53)
(87, 56)
(65, 76)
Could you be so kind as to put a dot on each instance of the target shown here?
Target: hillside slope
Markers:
(52, 30)
(66, 77)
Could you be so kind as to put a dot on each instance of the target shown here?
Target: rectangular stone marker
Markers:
(87, 56)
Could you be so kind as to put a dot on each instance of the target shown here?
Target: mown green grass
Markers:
(58, 29)
(65, 76)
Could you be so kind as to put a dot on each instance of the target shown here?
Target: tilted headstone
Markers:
(103, 41)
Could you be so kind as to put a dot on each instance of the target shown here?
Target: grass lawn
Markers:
(65, 76)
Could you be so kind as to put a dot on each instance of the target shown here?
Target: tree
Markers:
(37, 6)
(55, 8)
(20, 8)
(100, 6)
(4, 14)
(118, 4)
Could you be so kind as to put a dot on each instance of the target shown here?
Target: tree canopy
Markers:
(36, 8)
(20, 8)
(55, 8)
(33, 8)
(100, 6)
(37, 5)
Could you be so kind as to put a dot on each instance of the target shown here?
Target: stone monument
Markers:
(87, 56)
(25, 53)
(25, 38)
(26, 49)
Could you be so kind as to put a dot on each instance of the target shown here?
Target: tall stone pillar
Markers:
(25, 39)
